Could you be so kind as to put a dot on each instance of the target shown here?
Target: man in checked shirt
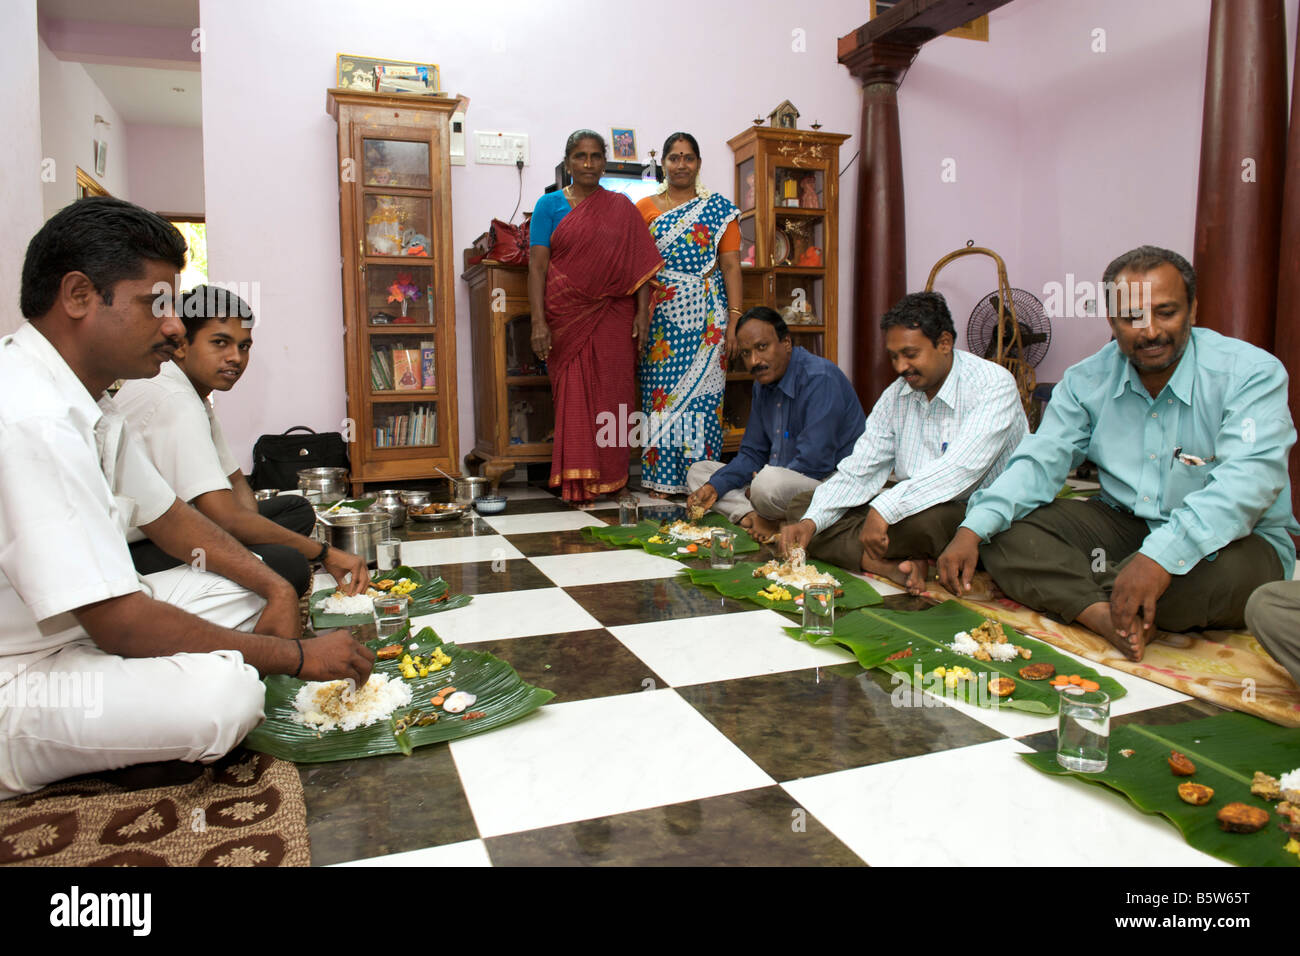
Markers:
(947, 427)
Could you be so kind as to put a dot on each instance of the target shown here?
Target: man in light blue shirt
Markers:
(1190, 431)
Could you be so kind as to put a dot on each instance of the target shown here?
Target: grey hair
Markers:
(1146, 258)
(577, 136)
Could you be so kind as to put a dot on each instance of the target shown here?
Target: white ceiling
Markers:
(154, 13)
(140, 94)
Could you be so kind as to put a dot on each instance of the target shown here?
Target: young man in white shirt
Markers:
(945, 428)
(171, 414)
(100, 668)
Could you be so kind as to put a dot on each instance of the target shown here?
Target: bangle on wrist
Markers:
(298, 641)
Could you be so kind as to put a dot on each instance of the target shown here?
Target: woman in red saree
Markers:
(590, 262)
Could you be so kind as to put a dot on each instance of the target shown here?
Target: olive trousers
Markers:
(1273, 616)
(1065, 556)
(922, 535)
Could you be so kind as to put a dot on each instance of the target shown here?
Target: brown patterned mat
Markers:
(245, 810)
(1228, 668)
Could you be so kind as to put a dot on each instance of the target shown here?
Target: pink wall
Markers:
(539, 68)
(166, 173)
(70, 101)
(1032, 120)
(20, 153)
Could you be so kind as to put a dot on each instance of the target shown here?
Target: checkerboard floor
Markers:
(688, 729)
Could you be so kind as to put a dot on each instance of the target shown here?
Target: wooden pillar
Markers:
(880, 260)
(1287, 339)
(1243, 142)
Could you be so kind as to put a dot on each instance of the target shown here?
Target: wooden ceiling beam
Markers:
(913, 22)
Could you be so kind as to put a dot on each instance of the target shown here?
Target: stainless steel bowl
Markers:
(490, 504)
(390, 502)
(465, 490)
(332, 483)
(265, 494)
(358, 534)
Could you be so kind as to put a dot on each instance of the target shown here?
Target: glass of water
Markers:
(723, 556)
(627, 510)
(1083, 734)
(391, 613)
(818, 610)
(386, 554)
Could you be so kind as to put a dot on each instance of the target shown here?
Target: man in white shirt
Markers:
(171, 414)
(98, 667)
(945, 428)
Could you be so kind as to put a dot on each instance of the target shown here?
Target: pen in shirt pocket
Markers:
(943, 448)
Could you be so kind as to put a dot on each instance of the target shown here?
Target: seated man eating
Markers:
(139, 678)
(171, 414)
(1190, 432)
(946, 427)
(804, 418)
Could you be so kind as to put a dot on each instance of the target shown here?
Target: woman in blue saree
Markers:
(692, 337)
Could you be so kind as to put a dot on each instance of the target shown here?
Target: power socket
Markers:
(500, 149)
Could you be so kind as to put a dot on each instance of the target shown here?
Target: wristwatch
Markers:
(324, 550)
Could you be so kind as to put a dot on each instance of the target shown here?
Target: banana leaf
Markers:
(639, 535)
(502, 696)
(739, 582)
(361, 504)
(1227, 750)
(428, 598)
(875, 634)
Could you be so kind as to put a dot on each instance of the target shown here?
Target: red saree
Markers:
(601, 253)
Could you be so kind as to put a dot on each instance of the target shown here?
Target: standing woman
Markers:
(692, 333)
(588, 272)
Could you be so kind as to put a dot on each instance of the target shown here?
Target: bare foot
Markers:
(660, 495)
(909, 574)
(1096, 617)
(759, 528)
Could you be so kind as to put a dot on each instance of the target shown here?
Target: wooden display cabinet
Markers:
(399, 308)
(787, 189)
(514, 413)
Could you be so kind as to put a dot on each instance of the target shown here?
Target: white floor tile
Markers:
(517, 492)
(591, 758)
(461, 550)
(547, 521)
(468, 853)
(995, 810)
(605, 567)
(696, 650)
(492, 617)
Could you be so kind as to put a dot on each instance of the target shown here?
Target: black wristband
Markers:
(324, 550)
(298, 641)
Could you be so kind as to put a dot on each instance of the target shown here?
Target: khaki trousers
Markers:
(1273, 616)
(922, 535)
(769, 493)
(1065, 556)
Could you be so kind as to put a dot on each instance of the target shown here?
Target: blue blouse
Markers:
(548, 212)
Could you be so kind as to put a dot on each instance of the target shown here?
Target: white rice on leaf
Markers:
(327, 705)
(338, 603)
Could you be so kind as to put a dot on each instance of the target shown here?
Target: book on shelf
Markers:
(406, 369)
(428, 370)
(381, 368)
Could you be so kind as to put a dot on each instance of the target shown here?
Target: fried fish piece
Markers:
(1038, 671)
(1264, 786)
(1197, 794)
(1180, 765)
(1002, 686)
(391, 652)
(1240, 818)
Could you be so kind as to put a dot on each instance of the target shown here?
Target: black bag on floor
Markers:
(277, 459)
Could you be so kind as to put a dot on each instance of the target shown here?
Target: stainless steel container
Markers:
(359, 534)
(466, 490)
(332, 483)
(265, 494)
(390, 501)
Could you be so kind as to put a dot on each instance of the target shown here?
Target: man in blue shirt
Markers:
(1190, 431)
(804, 418)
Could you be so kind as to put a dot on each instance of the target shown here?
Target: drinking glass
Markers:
(391, 613)
(818, 610)
(723, 550)
(627, 510)
(386, 553)
(1083, 731)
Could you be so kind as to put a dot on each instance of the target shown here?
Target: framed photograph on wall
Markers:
(101, 157)
(623, 143)
(358, 73)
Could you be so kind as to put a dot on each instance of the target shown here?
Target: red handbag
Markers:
(509, 243)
